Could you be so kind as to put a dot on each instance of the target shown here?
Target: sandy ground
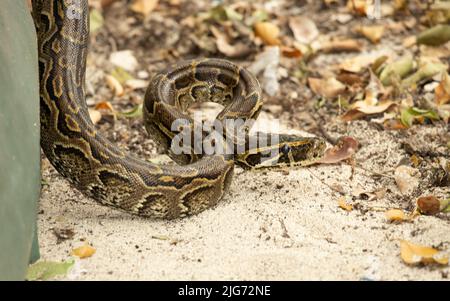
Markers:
(272, 225)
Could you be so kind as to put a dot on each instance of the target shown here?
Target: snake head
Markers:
(300, 151)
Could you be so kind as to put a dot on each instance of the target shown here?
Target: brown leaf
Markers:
(291, 52)
(372, 33)
(414, 254)
(442, 91)
(223, 45)
(395, 215)
(328, 88)
(361, 109)
(114, 85)
(268, 32)
(144, 7)
(429, 205)
(344, 149)
(347, 45)
(83, 251)
(344, 205)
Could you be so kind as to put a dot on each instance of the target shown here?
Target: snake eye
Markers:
(285, 149)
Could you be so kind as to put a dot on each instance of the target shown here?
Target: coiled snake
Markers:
(104, 172)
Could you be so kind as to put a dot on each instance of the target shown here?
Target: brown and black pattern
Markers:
(98, 168)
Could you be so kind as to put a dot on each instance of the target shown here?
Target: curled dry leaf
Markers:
(407, 178)
(144, 7)
(223, 45)
(415, 254)
(328, 88)
(114, 85)
(361, 109)
(442, 91)
(344, 205)
(83, 251)
(372, 33)
(268, 32)
(304, 29)
(344, 149)
(395, 215)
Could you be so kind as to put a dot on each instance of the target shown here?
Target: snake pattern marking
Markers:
(112, 177)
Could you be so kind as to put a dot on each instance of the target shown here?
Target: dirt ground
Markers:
(274, 224)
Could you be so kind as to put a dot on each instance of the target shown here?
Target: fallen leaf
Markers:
(304, 29)
(372, 33)
(268, 32)
(407, 178)
(400, 68)
(415, 254)
(442, 91)
(346, 45)
(105, 105)
(95, 20)
(144, 7)
(124, 59)
(361, 109)
(291, 52)
(358, 7)
(328, 88)
(95, 116)
(428, 67)
(133, 113)
(430, 205)
(114, 85)
(233, 51)
(344, 205)
(83, 251)
(434, 36)
(344, 149)
(395, 215)
(44, 270)
(410, 114)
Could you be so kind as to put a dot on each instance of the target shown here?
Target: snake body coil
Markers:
(104, 172)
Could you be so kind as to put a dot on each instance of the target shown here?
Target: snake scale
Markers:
(101, 170)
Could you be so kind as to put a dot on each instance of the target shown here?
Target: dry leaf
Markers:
(361, 109)
(358, 63)
(144, 7)
(429, 205)
(83, 251)
(268, 32)
(372, 33)
(358, 7)
(114, 85)
(344, 149)
(407, 178)
(304, 29)
(124, 59)
(95, 115)
(395, 215)
(442, 91)
(347, 45)
(328, 88)
(344, 205)
(414, 254)
(291, 52)
(105, 105)
(223, 45)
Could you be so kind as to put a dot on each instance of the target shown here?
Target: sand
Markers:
(272, 225)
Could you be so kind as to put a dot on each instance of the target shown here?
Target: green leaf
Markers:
(121, 75)
(133, 113)
(408, 115)
(446, 206)
(96, 20)
(45, 270)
